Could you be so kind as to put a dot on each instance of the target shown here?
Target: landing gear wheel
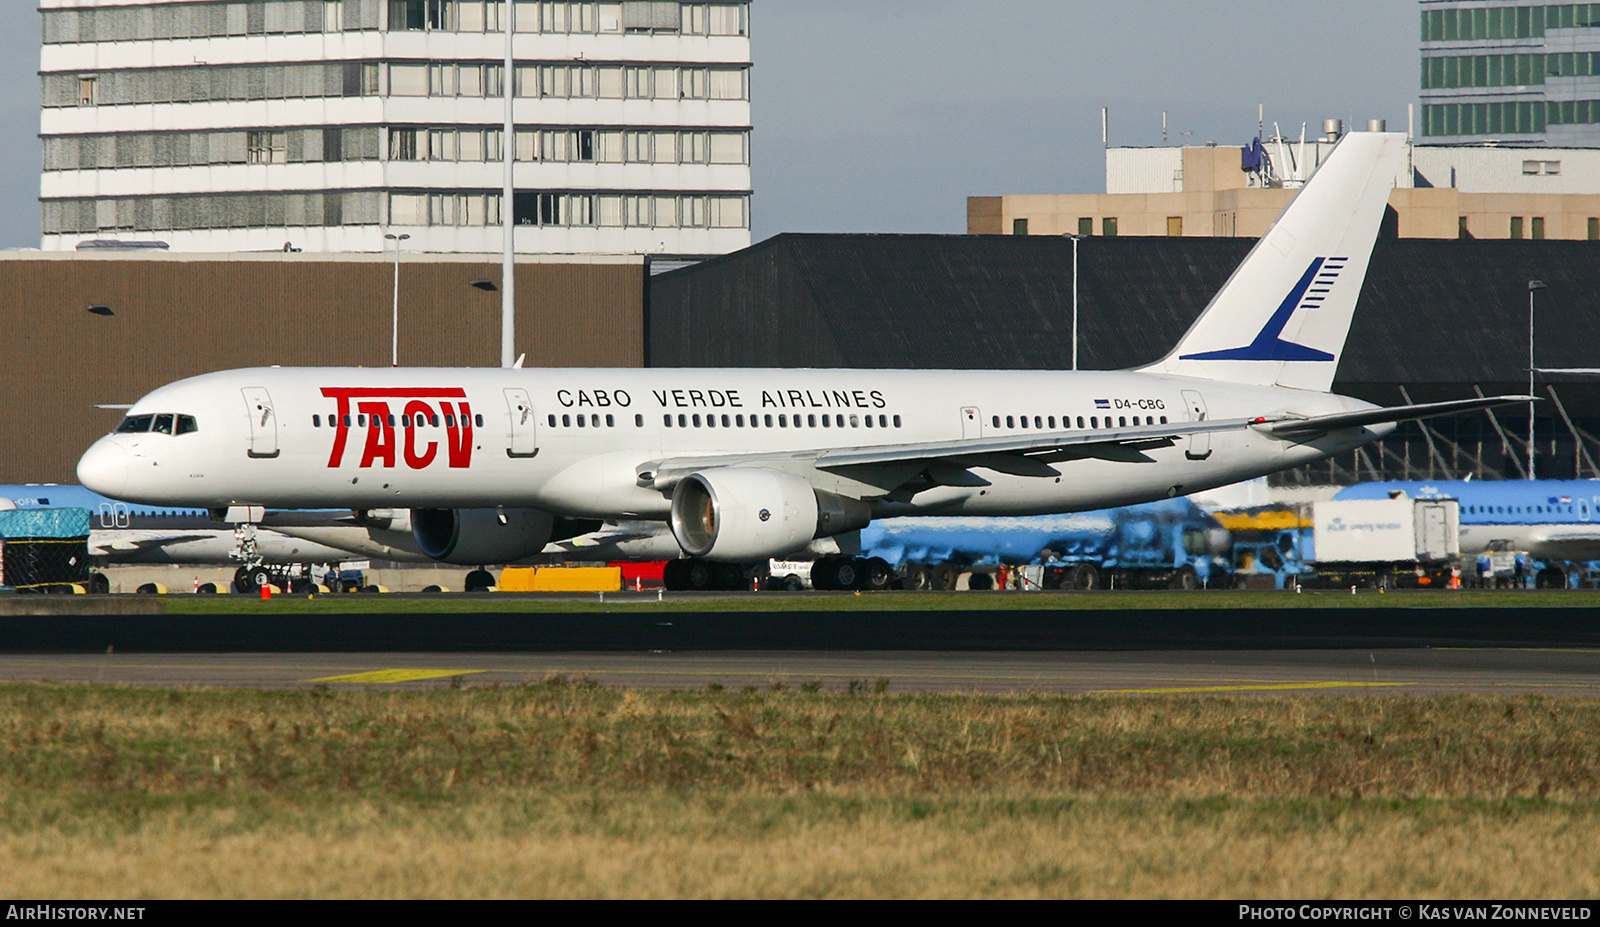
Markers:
(835, 573)
(99, 584)
(730, 576)
(980, 582)
(878, 574)
(848, 574)
(251, 579)
(1185, 579)
(699, 576)
(945, 576)
(918, 577)
(479, 581)
(1083, 576)
(672, 576)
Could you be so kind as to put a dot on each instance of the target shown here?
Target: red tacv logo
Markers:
(417, 405)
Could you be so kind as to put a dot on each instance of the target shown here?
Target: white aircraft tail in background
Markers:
(1282, 318)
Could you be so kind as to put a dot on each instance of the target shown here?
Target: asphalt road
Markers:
(1259, 650)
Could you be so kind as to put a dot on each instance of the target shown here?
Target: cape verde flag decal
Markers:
(1102, 403)
(1269, 345)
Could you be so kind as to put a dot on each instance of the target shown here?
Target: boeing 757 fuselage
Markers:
(747, 464)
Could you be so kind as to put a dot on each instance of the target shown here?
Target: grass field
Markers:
(866, 602)
(567, 789)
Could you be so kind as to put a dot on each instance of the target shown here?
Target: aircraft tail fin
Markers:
(1282, 317)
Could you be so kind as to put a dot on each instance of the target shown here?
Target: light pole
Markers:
(508, 158)
(1075, 240)
(394, 332)
(1533, 286)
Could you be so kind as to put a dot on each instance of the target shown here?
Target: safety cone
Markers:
(197, 584)
(266, 592)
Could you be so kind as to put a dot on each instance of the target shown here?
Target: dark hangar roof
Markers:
(1432, 313)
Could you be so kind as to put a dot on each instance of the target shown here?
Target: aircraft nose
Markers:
(104, 468)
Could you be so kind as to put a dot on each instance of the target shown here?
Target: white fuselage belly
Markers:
(503, 450)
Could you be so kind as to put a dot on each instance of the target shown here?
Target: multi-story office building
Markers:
(1443, 191)
(242, 125)
(1510, 72)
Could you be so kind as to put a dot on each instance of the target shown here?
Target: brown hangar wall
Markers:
(182, 315)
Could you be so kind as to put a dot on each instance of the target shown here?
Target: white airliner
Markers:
(747, 464)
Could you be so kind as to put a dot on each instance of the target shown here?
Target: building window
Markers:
(646, 16)
(1019, 226)
(1594, 228)
(267, 148)
(403, 145)
(1461, 228)
(1085, 227)
(1538, 228)
(1516, 226)
(1108, 227)
(86, 91)
(1174, 226)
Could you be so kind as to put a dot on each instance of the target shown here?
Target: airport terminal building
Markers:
(323, 125)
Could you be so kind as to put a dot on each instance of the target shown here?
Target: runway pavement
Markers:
(1323, 672)
(1386, 651)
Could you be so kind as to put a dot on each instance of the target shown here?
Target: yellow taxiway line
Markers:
(1273, 687)
(379, 677)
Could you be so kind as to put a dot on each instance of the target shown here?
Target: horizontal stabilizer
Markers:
(1322, 424)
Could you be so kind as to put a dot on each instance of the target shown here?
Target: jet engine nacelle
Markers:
(474, 537)
(739, 514)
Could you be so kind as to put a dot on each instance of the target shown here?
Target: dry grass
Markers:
(569, 790)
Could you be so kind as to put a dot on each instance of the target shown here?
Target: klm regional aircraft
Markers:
(746, 464)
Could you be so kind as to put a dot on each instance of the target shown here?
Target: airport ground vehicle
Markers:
(45, 549)
(1370, 543)
(1167, 544)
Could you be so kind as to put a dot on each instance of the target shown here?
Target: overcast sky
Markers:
(884, 115)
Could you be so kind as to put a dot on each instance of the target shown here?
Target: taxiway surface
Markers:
(1375, 651)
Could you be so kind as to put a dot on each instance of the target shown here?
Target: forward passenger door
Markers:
(524, 428)
(263, 422)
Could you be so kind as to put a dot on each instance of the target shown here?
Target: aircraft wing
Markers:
(1296, 428)
(1023, 454)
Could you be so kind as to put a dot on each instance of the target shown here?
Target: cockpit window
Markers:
(163, 423)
